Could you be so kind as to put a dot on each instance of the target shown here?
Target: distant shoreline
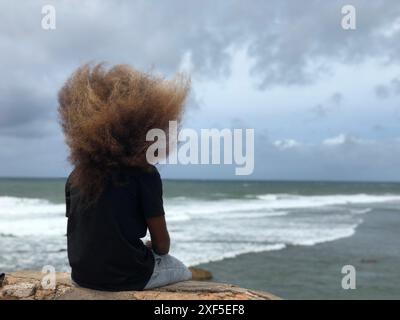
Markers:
(227, 180)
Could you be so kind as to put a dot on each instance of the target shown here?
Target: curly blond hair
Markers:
(105, 115)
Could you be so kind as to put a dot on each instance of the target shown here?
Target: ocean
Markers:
(227, 227)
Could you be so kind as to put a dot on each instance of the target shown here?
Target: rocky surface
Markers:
(27, 285)
(200, 274)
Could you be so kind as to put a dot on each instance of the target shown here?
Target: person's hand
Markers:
(149, 244)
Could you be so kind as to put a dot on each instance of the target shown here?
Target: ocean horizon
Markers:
(235, 179)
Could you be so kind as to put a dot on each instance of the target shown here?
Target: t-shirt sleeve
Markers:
(151, 193)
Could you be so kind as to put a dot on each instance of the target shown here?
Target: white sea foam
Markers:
(208, 230)
(13, 207)
(360, 211)
(277, 201)
(28, 216)
(191, 258)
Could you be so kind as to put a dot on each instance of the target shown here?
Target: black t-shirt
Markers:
(104, 247)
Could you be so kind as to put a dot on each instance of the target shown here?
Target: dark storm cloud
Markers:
(21, 105)
(290, 42)
(26, 107)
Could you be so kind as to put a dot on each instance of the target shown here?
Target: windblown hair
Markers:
(105, 116)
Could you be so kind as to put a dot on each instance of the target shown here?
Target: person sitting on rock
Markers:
(114, 194)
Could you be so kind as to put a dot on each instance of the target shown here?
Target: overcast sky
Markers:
(324, 101)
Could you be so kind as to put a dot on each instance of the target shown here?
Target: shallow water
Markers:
(315, 272)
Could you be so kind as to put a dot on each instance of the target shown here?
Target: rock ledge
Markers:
(26, 285)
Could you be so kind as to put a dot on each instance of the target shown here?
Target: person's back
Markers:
(104, 246)
(114, 194)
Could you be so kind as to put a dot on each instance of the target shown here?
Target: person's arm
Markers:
(67, 197)
(150, 190)
(160, 241)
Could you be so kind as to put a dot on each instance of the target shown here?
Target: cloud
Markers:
(338, 140)
(24, 108)
(289, 42)
(382, 91)
(286, 144)
(344, 139)
(337, 98)
(341, 157)
(301, 54)
(319, 110)
(323, 109)
(378, 128)
(396, 85)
